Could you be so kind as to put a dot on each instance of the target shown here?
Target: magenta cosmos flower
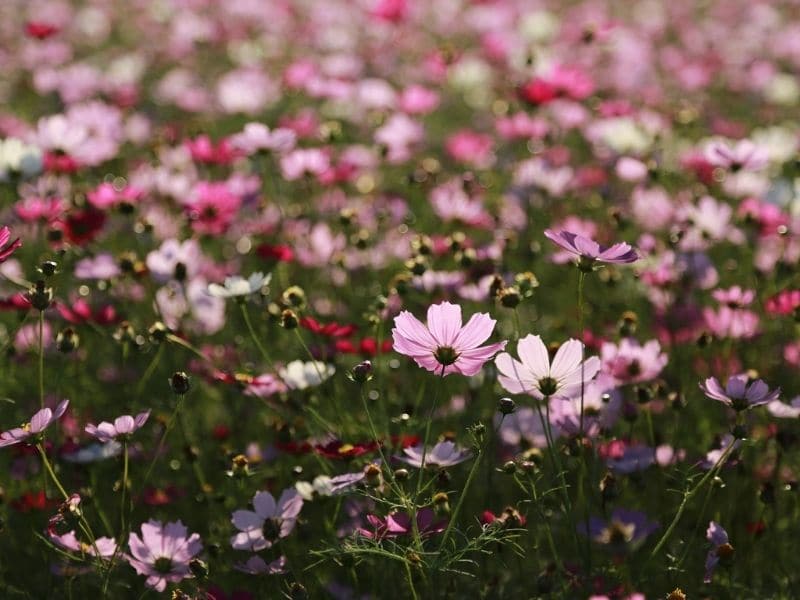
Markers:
(123, 426)
(163, 553)
(445, 346)
(269, 522)
(587, 251)
(38, 423)
(6, 248)
(534, 374)
(738, 394)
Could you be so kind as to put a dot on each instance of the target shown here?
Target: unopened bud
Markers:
(180, 383)
(506, 406)
(289, 319)
(362, 372)
(67, 340)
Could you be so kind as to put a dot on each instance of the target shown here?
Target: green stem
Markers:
(689, 495)
(257, 341)
(160, 446)
(454, 517)
(41, 359)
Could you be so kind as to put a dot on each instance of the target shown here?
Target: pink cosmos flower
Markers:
(38, 423)
(123, 426)
(269, 522)
(6, 248)
(738, 393)
(212, 207)
(163, 552)
(470, 147)
(399, 523)
(587, 251)
(743, 155)
(106, 546)
(630, 362)
(535, 375)
(444, 345)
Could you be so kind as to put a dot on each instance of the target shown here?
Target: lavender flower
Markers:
(721, 548)
(270, 521)
(738, 394)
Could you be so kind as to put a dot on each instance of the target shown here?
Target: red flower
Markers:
(39, 30)
(332, 329)
(338, 450)
(80, 312)
(59, 163)
(279, 253)
(537, 91)
(30, 501)
(82, 227)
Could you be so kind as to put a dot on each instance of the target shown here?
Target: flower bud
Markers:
(198, 568)
(289, 319)
(509, 297)
(180, 383)
(294, 297)
(158, 331)
(40, 296)
(676, 594)
(67, 340)
(362, 372)
(297, 591)
(441, 504)
(240, 466)
(509, 467)
(48, 268)
(401, 474)
(506, 406)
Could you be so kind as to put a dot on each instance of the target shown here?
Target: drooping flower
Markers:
(721, 548)
(535, 375)
(106, 547)
(163, 552)
(38, 423)
(587, 251)
(122, 427)
(270, 520)
(444, 346)
(7, 248)
(739, 393)
(443, 454)
(256, 565)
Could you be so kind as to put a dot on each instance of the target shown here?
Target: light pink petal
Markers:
(41, 420)
(533, 354)
(567, 359)
(514, 376)
(124, 424)
(141, 418)
(475, 332)
(412, 335)
(444, 322)
(712, 388)
(290, 504)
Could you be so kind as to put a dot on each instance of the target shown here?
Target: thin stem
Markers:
(122, 508)
(150, 370)
(160, 446)
(41, 359)
(254, 336)
(454, 517)
(689, 495)
(410, 579)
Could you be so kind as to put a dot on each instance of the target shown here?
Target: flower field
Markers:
(390, 299)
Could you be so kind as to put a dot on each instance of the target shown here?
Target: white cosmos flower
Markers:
(237, 286)
(300, 375)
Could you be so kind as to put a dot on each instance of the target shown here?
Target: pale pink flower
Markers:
(163, 553)
(444, 346)
(739, 393)
(38, 423)
(534, 374)
(270, 520)
(123, 426)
